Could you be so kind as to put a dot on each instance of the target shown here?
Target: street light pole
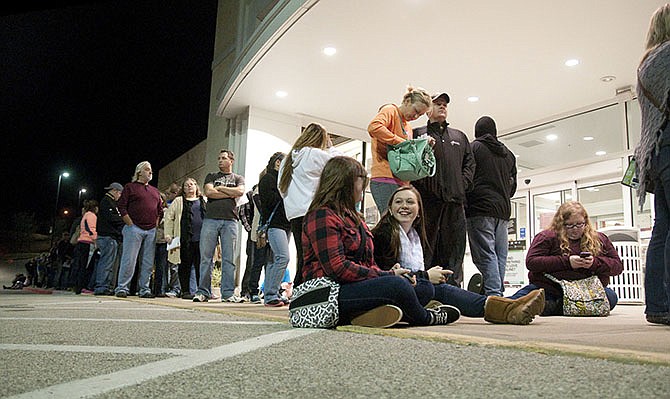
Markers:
(53, 225)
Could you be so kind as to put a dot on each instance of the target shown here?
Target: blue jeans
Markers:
(212, 231)
(469, 303)
(361, 296)
(554, 304)
(657, 275)
(488, 246)
(134, 239)
(275, 269)
(161, 269)
(381, 193)
(104, 271)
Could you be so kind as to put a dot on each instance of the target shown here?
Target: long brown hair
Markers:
(388, 221)
(315, 136)
(336, 186)
(590, 240)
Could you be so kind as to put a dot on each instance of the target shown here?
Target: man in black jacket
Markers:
(109, 241)
(488, 206)
(444, 193)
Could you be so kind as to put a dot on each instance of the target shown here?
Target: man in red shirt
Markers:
(141, 208)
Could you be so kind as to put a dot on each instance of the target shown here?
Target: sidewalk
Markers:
(623, 336)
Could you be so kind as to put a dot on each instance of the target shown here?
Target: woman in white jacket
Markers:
(299, 175)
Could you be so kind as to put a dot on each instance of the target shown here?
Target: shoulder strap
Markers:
(402, 125)
(552, 278)
(273, 213)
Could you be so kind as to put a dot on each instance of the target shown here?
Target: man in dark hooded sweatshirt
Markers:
(488, 205)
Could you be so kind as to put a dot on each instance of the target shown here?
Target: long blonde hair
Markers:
(590, 241)
(659, 29)
(314, 135)
(336, 186)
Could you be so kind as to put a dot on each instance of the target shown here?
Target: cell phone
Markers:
(585, 254)
(408, 277)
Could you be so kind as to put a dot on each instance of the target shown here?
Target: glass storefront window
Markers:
(604, 203)
(570, 139)
(518, 219)
(545, 206)
(634, 121)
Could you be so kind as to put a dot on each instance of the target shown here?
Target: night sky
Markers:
(93, 88)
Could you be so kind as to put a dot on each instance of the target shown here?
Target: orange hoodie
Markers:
(386, 128)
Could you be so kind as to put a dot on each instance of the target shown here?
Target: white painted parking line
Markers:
(96, 307)
(137, 375)
(143, 320)
(96, 349)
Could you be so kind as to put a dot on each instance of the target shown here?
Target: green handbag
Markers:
(412, 159)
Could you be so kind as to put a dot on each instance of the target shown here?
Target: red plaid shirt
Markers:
(332, 248)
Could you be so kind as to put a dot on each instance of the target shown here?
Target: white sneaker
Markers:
(200, 298)
(233, 299)
(171, 294)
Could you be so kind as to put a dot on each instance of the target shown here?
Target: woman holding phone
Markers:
(570, 249)
(399, 239)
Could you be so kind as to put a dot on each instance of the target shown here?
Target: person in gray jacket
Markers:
(488, 205)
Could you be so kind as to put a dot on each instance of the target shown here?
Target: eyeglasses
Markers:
(574, 226)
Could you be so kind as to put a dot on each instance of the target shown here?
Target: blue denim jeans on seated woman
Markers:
(554, 304)
(657, 275)
(361, 296)
(469, 303)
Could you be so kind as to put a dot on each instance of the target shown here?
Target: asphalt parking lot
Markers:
(61, 345)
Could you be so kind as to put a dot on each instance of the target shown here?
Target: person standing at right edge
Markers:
(488, 205)
(391, 126)
(444, 193)
(652, 155)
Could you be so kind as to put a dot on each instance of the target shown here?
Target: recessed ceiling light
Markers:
(473, 99)
(587, 138)
(552, 137)
(572, 62)
(600, 153)
(281, 94)
(329, 50)
(607, 78)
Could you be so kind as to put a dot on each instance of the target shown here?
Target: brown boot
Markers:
(514, 311)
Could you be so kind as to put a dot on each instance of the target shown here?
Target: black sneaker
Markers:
(122, 294)
(659, 319)
(187, 296)
(475, 285)
(445, 314)
(148, 295)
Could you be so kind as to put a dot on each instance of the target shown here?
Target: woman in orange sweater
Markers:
(391, 126)
(87, 237)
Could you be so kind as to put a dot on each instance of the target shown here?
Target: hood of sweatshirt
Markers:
(493, 144)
